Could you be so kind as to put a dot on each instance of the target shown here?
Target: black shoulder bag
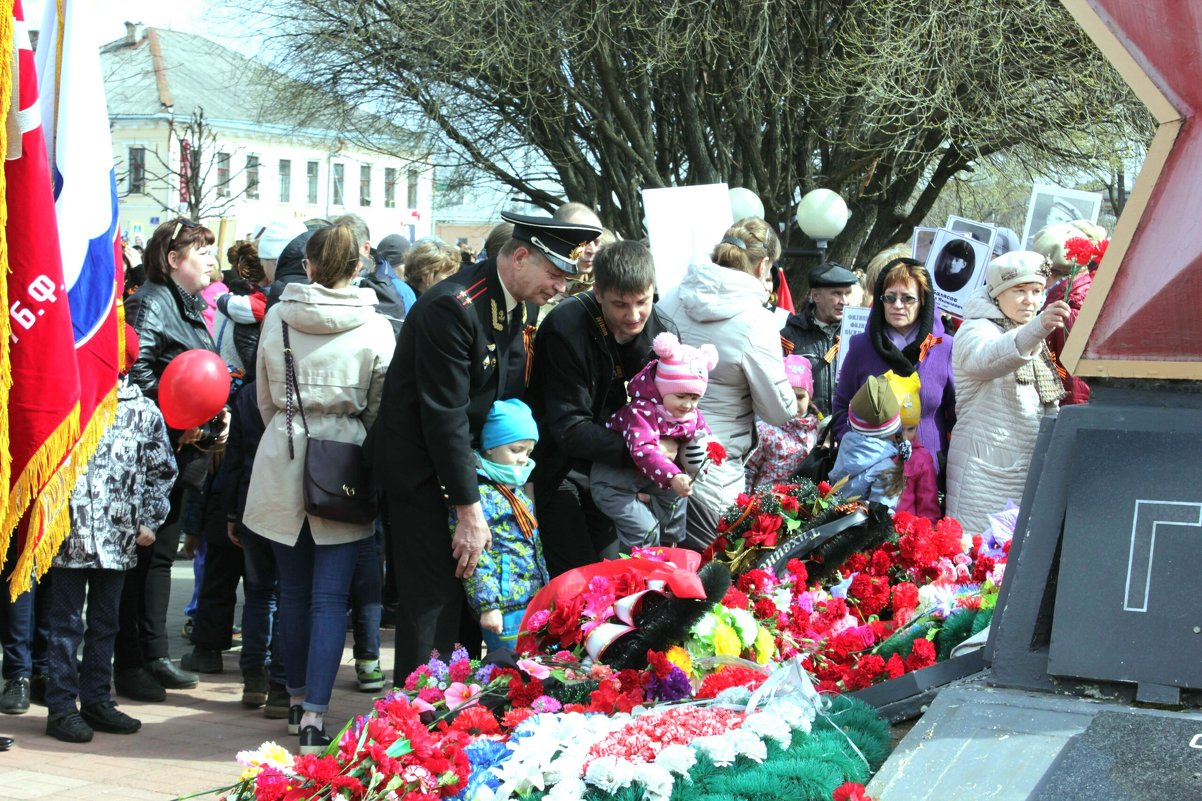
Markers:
(336, 484)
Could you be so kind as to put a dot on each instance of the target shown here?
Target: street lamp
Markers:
(822, 215)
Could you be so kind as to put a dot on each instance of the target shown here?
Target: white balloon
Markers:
(745, 203)
(822, 214)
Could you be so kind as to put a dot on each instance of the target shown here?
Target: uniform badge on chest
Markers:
(498, 317)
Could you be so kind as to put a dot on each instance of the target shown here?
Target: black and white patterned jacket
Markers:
(126, 484)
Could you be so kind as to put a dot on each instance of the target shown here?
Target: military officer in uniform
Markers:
(459, 345)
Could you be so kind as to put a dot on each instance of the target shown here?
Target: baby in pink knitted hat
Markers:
(661, 416)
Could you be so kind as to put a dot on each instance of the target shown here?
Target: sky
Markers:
(205, 17)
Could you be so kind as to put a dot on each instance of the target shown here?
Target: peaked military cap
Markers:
(561, 242)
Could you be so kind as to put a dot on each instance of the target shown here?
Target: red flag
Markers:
(39, 375)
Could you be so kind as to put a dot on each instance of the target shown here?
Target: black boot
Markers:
(254, 687)
(171, 677)
(138, 684)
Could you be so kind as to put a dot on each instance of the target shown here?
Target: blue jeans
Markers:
(17, 622)
(260, 613)
(511, 623)
(315, 584)
(367, 596)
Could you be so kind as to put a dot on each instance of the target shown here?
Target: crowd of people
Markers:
(534, 410)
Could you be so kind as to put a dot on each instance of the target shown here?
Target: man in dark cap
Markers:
(461, 349)
(813, 332)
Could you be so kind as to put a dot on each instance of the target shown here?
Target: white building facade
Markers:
(254, 165)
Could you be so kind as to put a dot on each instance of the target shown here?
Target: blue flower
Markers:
(459, 654)
(438, 668)
(483, 754)
(485, 673)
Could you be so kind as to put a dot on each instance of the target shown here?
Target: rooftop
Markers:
(153, 72)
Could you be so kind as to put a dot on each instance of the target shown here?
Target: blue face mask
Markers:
(514, 475)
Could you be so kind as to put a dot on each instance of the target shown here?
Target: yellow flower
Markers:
(680, 657)
(726, 640)
(765, 646)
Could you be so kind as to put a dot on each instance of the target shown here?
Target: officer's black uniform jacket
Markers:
(453, 358)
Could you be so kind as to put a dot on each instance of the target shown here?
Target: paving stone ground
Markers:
(186, 745)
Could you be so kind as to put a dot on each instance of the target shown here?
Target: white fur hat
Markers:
(1014, 268)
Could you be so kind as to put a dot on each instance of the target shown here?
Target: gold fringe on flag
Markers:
(51, 513)
(8, 54)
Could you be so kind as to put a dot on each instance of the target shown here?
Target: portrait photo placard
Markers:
(957, 264)
(982, 232)
(920, 243)
(1055, 204)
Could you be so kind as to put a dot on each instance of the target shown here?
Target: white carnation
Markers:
(746, 743)
(609, 774)
(770, 726)
(677, 758)
(720, 749)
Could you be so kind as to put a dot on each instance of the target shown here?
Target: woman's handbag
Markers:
(336, 484)
(818, 464)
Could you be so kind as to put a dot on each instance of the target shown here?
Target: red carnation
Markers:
(476, 720)
(824, 488)
(895, 666)
(855, 563)
(756, 581)
(764, 609)
(922, 655)
(850, 791)
(764, 531)
(797, 569)
(735, 599)
(715, 452)
(905, 596)
(789, 503)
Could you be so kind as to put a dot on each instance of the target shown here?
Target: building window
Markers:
(364, 184)
(137, 170)
(412, 193)
(338, 184)
(223, 175)
(390, 187)
(285, 181)
(252, 177)
(312, 174)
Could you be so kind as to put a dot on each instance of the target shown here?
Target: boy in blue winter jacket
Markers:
(873, 453)
(511, 570)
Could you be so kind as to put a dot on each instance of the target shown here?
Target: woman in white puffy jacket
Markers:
(1006, 381)
(723, 303)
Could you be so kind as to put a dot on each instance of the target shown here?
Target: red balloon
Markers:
(194, 388)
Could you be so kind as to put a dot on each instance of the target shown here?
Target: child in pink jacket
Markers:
(647, 502)
(921, 494)
(782, 449)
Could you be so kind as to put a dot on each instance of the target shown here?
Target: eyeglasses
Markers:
(906, 300)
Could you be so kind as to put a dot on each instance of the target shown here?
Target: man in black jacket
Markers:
(452, 362)
(586, 350)
(814, 331)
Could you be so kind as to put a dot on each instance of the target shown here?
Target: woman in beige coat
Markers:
(341, 348)
(722, 303)
(1005, 382)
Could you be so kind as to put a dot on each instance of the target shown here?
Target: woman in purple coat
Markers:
(905, 334)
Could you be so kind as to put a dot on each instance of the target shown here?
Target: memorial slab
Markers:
(980, 743)
(1125, 756)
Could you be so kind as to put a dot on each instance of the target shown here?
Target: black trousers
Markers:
(573, 530)
(432, 611)
(143, 632)
(213, 620)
